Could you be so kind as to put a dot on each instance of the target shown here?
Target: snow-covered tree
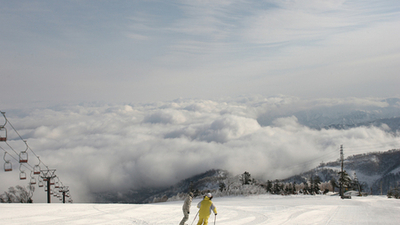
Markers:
(345, 180)
(18, 194)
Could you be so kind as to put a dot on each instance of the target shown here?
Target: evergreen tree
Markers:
(333, 184)
(345, 180)
(306, 189)
(222, 186)
(394, 193)
(269, 186)
(315, 185)
(246, 178)
(294, 187)
(277, 187)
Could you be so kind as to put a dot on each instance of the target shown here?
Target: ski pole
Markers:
(195, 216)
(215, 218)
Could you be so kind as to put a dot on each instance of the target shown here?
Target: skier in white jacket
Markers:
(186, 208)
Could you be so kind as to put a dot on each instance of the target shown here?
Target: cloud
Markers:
(100, 147)
(165, 116)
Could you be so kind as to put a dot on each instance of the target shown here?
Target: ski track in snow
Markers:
(253, 210)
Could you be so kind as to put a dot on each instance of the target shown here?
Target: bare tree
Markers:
(18, 194)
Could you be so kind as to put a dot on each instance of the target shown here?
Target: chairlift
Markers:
(56, 181)
(7, 164)
(23, 156)
(3, 134)
(33, 180)
(36, 168)
(22, 174)
(40, 183)
(3, 130)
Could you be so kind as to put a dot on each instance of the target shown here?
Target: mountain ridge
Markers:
(376, 171)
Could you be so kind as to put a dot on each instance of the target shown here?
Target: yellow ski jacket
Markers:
(205, 207)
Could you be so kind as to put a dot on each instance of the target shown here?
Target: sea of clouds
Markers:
(116, 147)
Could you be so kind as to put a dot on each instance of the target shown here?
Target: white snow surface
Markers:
(262, 209)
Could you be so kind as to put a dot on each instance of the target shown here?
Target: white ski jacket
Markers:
(187, 204)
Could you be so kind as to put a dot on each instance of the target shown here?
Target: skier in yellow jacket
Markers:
(205, 209)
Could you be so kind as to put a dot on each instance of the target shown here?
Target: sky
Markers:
(145, 51)
(131, 94)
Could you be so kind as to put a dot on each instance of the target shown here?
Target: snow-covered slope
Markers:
(254, 210)
(375, 170)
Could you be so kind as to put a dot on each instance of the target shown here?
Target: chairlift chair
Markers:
(33, 180)
(22, 174)
(40, 183)
(56, 181)
(23, 155)
(7, 164)
(3, 130)
(3, 134)
(36, 169)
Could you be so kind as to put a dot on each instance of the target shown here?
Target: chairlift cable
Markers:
(24, 164)
(28, 147)
(40, 161)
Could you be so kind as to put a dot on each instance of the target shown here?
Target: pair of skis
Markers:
(215, 218)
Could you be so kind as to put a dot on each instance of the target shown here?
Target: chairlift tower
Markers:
(64, 190)
(341, 170)
(47, 176)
